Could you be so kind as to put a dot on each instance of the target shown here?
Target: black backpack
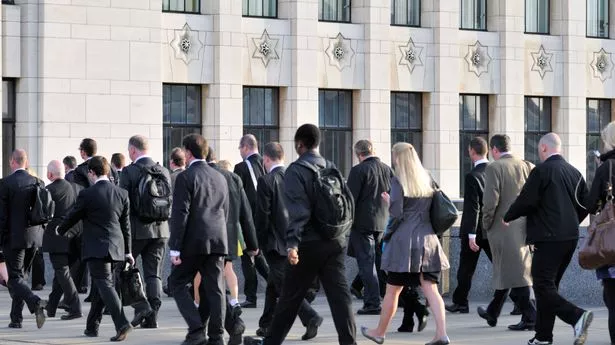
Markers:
(333, 204)
(152, 195)
(42, 206)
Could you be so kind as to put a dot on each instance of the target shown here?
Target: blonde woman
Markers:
(413, 255)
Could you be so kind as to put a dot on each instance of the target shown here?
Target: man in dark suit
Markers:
(367, 181)
(61, 248)
(19, 239)
(148, 238)
(105, 211)
(272, 220)
(198, 242)
(88, 149)
(177, 164)
(471, 232)
(70, 163)
(250, 170)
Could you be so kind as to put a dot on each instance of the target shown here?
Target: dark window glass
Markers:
(181, 114)
(537, 16)
(473, 122)
(8, 2)
(537, 124)
(334, 11)
(8, 123)
(335, 119)
(406, 12)
(598, 18)
(598, 116)
(186, 6)
(260, 8)
(407, 119)
(261, 114)
(473, 14)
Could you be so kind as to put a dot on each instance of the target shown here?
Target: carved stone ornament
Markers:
(187, 45)
(265, 48)
(340, 52)
(602, 64)
(478, 59)
(410, 55)
(542, 62)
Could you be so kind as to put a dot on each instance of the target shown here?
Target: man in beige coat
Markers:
(512, 258)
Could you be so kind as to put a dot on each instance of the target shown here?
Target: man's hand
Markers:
(176, 261)
(130, 259)
(252, 252)
(293, 256)
(386, 197)
(473, 245)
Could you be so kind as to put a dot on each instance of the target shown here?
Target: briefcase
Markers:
(131, 286)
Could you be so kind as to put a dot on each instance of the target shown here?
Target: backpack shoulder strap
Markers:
(308, 165)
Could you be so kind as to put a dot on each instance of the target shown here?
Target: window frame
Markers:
(589, 134)
(179, 125)
(540, 132)
(197, 11)
(249, 128)
(476, 132)
(608, 20)
(408, 129)
(548, 18)
(420, 5)
(10, 121)
(485, 3)
(324, 128)
(275, 16)
(349, 21)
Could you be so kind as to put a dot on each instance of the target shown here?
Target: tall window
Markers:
(598, 18)
(537, 16)
(185, 6)
(473, 14)
(335, 122)
(407, 119)
(260, 8)
(334, 11)
(598, 116)
(473, 122)
(181, 114)
(261, 114)
(406, 12)
(537, 124)
(8, 123)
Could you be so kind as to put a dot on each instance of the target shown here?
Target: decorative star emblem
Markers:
(410, 55)
(265, 48)
(187, 44)
(602, 64)
(478, 58)
(340, 52)
(542, 62)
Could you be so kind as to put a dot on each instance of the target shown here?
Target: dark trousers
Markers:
(37, 268)
(522, 298)
(468, 259)
(152, 254)
(325, 259)
(104, 295)
(249, 269)
(609, 301)
(211, 268)
(548, 266)
(79, 269)
(364, 247)
(63, 284)
(275, 282)
(16, 265)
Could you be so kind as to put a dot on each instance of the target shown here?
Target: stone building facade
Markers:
(433, 72)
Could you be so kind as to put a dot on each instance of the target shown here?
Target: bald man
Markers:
(553, 200)
(62, 249)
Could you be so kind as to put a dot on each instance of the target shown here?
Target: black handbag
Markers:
(442, 212)
(131, 286)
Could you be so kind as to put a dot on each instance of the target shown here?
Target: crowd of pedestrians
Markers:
(294, 226)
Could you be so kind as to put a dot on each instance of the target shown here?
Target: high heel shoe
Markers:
(441, 341)
(377, 340)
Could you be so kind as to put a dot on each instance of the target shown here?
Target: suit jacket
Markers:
(243, 171)
(80, 175)
(174, 174)
(200, 212)
(271, 213)
(512, 259)
(64, 194)
(16, 196)
(105, 211)
(471, 219)
(130, 182)
(553, 200)
(367, 181)
(239, 214)
(70, 176)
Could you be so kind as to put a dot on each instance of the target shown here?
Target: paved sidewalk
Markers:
(462, 329)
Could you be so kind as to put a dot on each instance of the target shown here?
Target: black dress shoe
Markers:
(196, 338)
(39, 313)
(252, 341)
(15, 325)
(88, 299)
(522, 326)
(491, 321)
(235, 339)
(516, 311)
(37, 287)
(90, 333)
(140, 317)
(71, 316)
(122, 333)
(49, 312)
(457, 308)
(311, 330)
(248, 305)
(422, 321)
(261, 332)
(369, 311)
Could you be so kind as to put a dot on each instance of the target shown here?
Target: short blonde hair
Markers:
(414, 179)
(224, 164)
(608, 136)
